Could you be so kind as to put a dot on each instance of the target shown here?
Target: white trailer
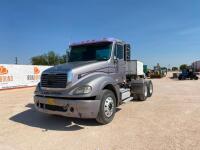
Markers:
(196, 66)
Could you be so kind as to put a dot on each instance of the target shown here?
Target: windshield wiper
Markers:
(102, 59)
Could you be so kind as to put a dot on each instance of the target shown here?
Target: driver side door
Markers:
(119, 63)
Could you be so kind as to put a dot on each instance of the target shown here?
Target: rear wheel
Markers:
(180, 77)
(143, 96)
(150, 89)
(107, 108)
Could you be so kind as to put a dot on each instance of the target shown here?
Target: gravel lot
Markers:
(168, 120)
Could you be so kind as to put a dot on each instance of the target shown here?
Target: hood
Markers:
(77, 67)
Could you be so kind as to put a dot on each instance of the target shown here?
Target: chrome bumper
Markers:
(69, 108)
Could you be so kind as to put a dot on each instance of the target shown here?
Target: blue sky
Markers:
(164, 31)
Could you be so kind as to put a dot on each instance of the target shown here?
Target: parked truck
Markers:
(158, 72)
(99, 77)
(188, 74)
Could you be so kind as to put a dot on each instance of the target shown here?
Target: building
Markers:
(196, 65)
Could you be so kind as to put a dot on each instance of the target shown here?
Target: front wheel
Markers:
(107, 108)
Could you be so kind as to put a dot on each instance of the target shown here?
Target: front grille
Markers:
(54, 80)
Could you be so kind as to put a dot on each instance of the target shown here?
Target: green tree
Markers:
(51, 58)
(63, 59)
(183, 66)
(39, 60)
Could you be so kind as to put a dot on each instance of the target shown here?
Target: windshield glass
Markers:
(97, 51)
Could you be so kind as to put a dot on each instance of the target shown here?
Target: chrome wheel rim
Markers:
(109, 107)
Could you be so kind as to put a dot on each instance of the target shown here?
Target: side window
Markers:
(119, 51)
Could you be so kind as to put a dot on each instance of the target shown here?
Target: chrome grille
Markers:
(54, 80)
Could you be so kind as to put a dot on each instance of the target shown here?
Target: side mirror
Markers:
(127, 52)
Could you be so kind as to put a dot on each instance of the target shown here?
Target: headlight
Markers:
(83, 90)
(70, 76)
(37, 89)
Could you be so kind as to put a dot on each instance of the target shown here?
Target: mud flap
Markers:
(137, 86)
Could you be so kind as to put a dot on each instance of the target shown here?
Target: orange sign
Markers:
(36, 70)
(3, 70)
(36, 75)
(4, 77)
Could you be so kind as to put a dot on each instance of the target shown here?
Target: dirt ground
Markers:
(170, 119)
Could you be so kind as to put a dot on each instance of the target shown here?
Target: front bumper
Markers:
(69, 108)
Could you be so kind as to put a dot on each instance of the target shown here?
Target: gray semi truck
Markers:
(98, 77)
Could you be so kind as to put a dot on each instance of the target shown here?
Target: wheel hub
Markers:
(108, 106)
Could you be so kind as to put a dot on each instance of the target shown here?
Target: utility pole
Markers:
(16, 60)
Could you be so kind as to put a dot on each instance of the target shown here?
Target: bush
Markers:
(183, 67)
(51, 58)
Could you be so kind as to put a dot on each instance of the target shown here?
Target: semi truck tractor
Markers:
(98, 77)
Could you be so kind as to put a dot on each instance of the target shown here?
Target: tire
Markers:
(150, 89)
(180, 77)
(107, 108)
(143, 96)
(196, 78)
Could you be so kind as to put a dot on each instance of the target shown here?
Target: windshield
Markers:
(97, 51)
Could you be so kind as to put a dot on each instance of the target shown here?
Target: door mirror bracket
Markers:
(115, 60)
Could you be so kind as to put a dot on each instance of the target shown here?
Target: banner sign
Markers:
(13, 76)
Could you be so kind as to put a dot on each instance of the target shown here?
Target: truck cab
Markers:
(98, 77)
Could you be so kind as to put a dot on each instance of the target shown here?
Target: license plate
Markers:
(51, 101)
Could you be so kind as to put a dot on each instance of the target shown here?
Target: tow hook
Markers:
(66, 107)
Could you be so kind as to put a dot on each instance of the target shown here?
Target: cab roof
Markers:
(95, 41)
